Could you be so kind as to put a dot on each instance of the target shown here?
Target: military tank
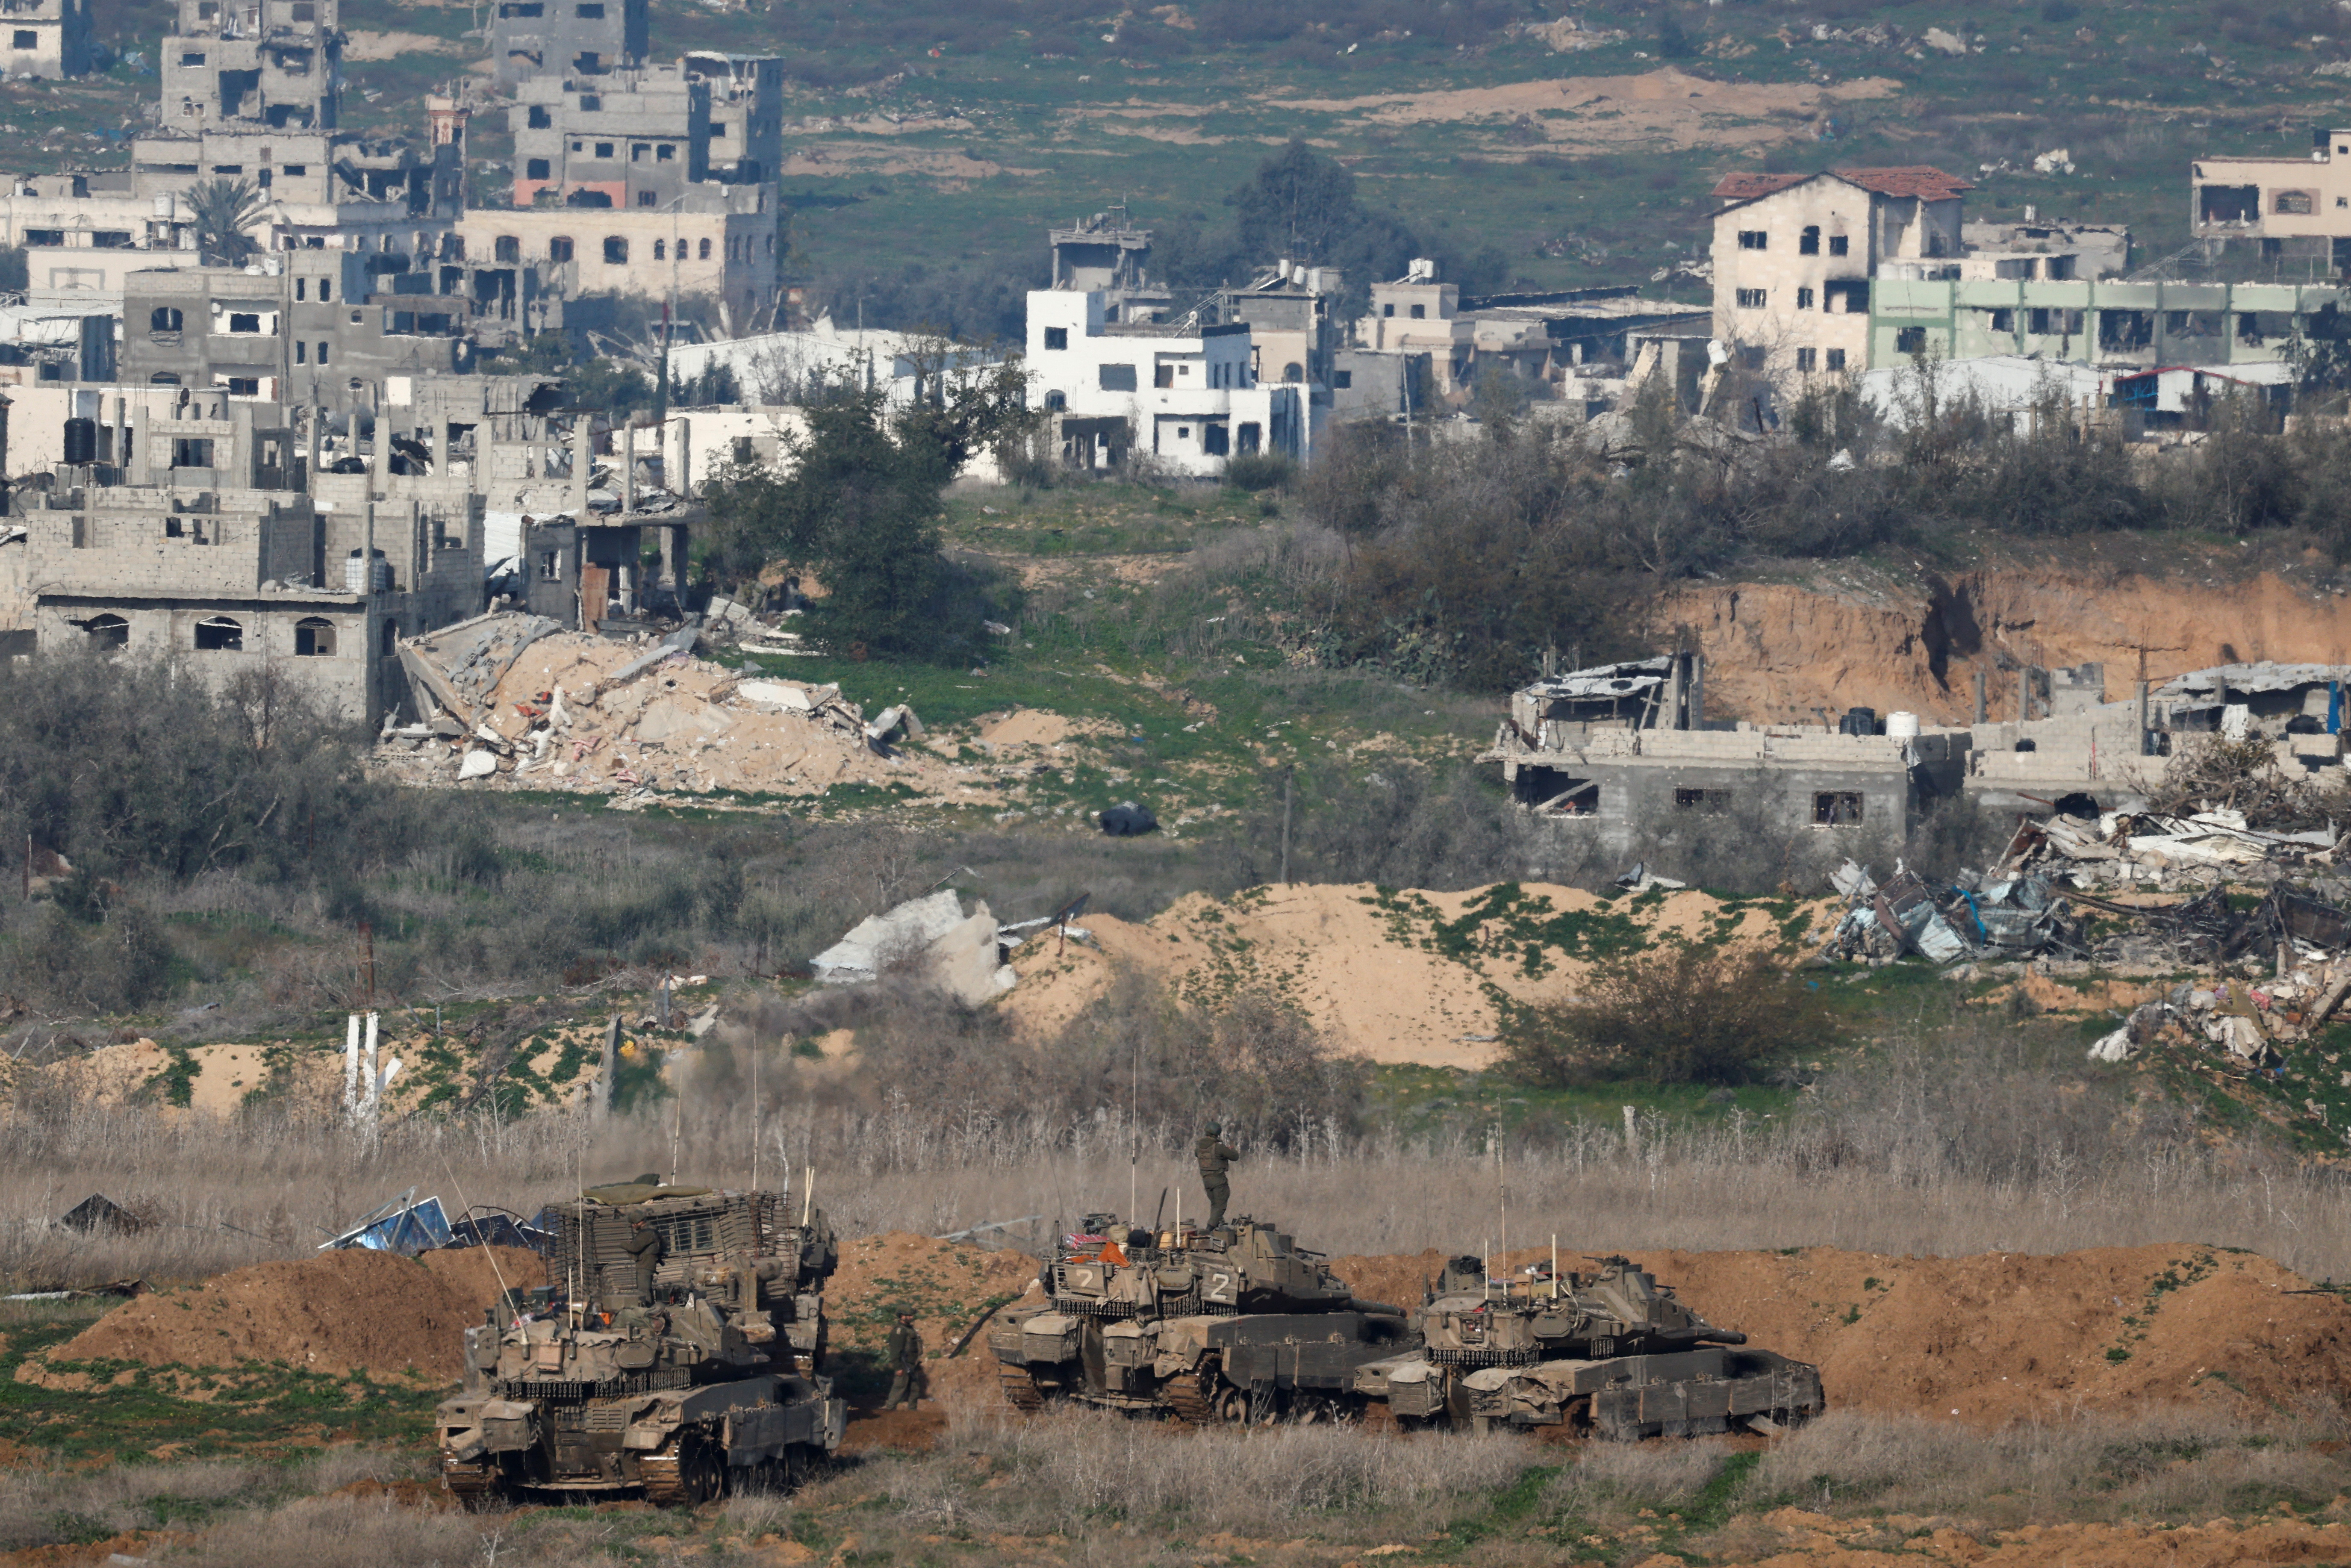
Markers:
(589, 1387)
(1610, 1353)
(1234, 1325)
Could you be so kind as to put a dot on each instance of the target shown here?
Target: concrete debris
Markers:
(513, 701)
(930, 936)
(1640, 879)
(1944, 42)
(2009, 916)
(2155, 849)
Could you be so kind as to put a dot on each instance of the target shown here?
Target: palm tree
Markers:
(222, 211)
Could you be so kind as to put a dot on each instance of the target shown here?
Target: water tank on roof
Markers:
(355, 574)
(81, 441)
(1901, 726)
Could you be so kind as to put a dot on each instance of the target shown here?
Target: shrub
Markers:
(1683, 1015)
(1258, 471)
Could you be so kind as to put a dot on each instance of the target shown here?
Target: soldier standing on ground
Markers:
(1215, 1159)
(906, 1358)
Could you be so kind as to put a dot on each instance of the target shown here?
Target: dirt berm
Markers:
(339, 1312)
(2003, 1336)
(1983, 1340)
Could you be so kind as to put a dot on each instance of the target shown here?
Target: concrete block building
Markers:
(1795, 257)
(204, 540)
(2289, 208)
(295, 326)
(1185, 395)
(579, 37)
(47, 38)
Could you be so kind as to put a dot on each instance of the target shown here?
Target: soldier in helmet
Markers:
(645, 1245)
(1215, 1159)
(905, 1348)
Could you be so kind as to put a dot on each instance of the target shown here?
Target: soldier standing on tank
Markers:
(905, 1348)
(645, 1246)
(1215, 1159)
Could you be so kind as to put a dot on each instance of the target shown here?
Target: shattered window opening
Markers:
(220, 634)
(108, 631)
(1809, 242)
(1839, 245)
(1750, 299)
(1836, 809)
(1754, 239)
(314, 638)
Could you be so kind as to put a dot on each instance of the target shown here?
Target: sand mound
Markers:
(338, 1313)
(2003, 1337)
(1398, 976)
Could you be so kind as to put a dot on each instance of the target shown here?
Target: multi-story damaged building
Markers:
(204, 539)
(1186, 395)
(2291, 208)
(305, 326)
(47, 38)
(250, 94)
(1795, 257)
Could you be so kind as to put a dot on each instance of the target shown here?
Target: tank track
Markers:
(1020, 1390)
(1193, 1396)
(473, 1484)
(664, 1477)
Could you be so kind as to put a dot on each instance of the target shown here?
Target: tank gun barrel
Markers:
(1375, 1309)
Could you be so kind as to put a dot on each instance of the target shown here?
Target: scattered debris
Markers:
(964, 955)
(514, 702)
(404, 1226)
(484, 1225)
(1640, 879)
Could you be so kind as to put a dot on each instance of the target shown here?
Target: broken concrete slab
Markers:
(930, 936)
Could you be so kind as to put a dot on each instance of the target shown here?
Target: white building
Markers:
(1183, 394)
(781, 367)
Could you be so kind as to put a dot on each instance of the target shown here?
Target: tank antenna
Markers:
(1134, 1127)
(487, 1250)
(676, 1126)
(808, 1193)
(755, 1112)
(1554, 1265)
(1503, 1185)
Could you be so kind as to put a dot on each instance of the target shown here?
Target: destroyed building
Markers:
(1618, 749)
(206, 542)
(2295, 209)
(302, 326)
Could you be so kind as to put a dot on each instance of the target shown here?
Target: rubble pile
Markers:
(516, 702)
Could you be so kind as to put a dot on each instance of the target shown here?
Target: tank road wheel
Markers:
(1202, 1398)
(702, 1468)
(476, 1486)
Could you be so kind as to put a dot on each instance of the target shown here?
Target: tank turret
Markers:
(1612, 1352)
(1231, 1324)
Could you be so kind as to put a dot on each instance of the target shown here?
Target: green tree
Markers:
(859, 504)
(222, 211)
(1301, 205)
